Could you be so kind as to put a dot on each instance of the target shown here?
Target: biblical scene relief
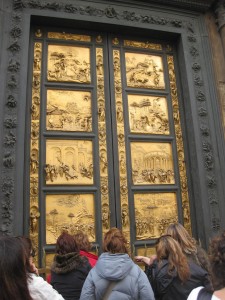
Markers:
(68, 110)
(69, 162)
(148, 114)
(68, 63)
(144, 71)
(70, 213)
(152, 163)
(153, 214)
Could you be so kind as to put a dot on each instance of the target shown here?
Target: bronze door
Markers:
(106, 143)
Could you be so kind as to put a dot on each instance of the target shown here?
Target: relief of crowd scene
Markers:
(145, 71)
(69, 162)
(67, 172)
(68, 110)
(152, 163)
(71, 213)
(148, 114)
(153, 213)
(67, 63)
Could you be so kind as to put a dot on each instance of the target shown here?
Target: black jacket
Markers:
(169, 286)
(68, 274)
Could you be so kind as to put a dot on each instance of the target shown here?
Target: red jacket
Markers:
(91, 257)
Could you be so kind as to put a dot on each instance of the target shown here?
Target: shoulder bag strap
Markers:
(109, 290)
(204, 295)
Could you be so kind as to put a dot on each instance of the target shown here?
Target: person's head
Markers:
(13, 273)
(115, 241)
(169, 249)
(180, 234)
(82, 241)
(66, 244)
(217, 260)
(29, 250)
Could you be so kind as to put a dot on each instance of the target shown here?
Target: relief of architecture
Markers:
(69, 162)
(152, 163)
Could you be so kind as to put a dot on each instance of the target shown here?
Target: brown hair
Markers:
(217, 259)
(168, 248)
(27, 244)
(189, 245)
(115, 241)
(180, 234)
(13, 273)
(82, 241)
(66, 244)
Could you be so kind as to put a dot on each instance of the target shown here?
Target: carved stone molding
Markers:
(220, 13)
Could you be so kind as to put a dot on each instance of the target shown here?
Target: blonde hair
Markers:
(115, 241)
(180, 234)
(169, 249)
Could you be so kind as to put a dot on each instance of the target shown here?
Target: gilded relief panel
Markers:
(146, 251)
(121, 144)
(68, 64)
(143, 45)
(144, 71)
(153, 213)
(180, 146)
(71, 213)
(152, 163)
(68, 110)
(148, 114)
(104, 167)
(69, 36)
(48, 259)
(34, 146)
(69, 162)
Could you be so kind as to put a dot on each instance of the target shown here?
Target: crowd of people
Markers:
(179, 270)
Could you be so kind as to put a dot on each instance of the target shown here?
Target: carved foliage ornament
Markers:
(203, 122)
(109, 12)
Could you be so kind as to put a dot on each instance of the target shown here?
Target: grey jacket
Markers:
(131, 282)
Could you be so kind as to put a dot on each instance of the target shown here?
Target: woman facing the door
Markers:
(115, 275)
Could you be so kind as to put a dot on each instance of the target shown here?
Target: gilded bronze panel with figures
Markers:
(34, 163)
(69, 162)
(68, 110)
(152, 163)
(68, 64)
(148, 114)
(71, 213)
(153, 213)
(142, 45)
(105, 112)
(144, 71)
(69, 36)
(124, 201)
